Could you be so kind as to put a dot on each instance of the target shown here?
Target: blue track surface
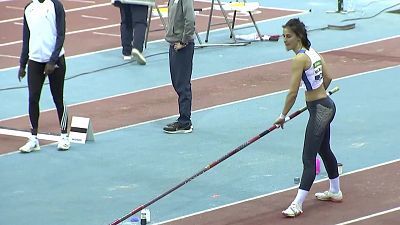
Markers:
(95, 183)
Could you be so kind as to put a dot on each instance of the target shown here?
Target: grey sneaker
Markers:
(330, 196)
(178, 128)
(138, 57)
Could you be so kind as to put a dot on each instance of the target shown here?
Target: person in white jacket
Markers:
(42, 49)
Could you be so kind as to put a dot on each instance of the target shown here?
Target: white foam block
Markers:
(81, 130)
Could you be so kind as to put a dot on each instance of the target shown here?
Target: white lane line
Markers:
(88, 7)
(68, 33)
(94, 17)
(68, 10)
(81, 1)
(107, 34)
(10, 20)
(92, 29)
(27, 134)
(370, 216)
(9, 56)
(14, 7)
(11, 43)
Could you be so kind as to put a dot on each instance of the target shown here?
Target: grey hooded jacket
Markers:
(181, 21)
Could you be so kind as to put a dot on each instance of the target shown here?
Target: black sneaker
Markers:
(178, 128)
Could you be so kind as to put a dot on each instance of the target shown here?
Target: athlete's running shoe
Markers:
(330, 196)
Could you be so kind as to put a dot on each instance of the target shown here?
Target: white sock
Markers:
(33, 137)
(334, 185)
(300, 197)
(64, 135)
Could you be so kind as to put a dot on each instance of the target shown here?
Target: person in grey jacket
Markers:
(180, 32)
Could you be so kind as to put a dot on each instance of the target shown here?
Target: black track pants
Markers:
(36, 78)
(317, 140)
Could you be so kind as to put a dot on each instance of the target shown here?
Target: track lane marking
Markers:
(370, 216)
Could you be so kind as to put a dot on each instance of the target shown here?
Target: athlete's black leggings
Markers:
(36, 78)
(317, 137)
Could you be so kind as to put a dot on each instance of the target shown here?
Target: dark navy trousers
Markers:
(180, 66)
(133, 27)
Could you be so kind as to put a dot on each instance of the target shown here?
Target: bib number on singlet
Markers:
(318, 70)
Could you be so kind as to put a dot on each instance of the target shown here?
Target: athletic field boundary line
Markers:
(297, 12)
(204, 109)
(109, 4)
(212, 31)
(199, 110)
(234, 102)
(150, 42)
(273, 193)
(165, 85)
(220, 29)
(216, 74)
(203, 77)
(370, 216)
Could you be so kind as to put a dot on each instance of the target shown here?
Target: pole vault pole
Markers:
(213, 164)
